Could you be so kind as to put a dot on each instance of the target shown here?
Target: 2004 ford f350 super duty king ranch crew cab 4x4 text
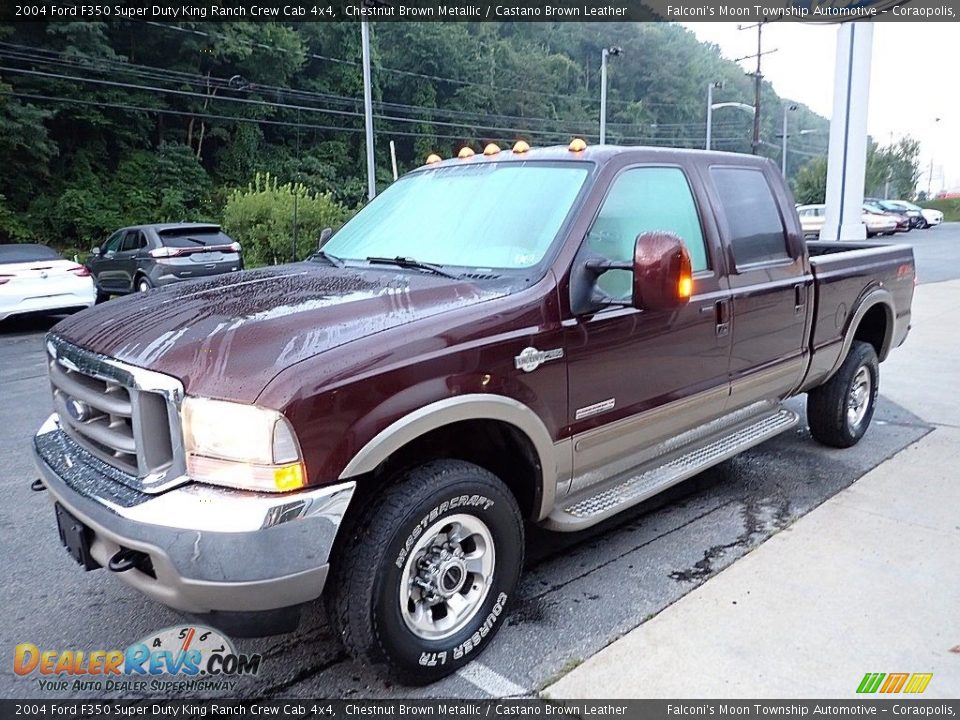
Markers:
(544, 335)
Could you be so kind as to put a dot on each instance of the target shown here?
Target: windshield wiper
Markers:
(332, 259)
(409, 262)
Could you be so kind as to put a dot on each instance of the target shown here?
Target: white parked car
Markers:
(812, 217)
(933, 217)
(36, 279)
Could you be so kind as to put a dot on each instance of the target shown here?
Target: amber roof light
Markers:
(465, 153)
(491, 149)
(577, 145)
(433, 158)
(520, 147)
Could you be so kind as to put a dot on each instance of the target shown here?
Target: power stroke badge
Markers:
(530, 358)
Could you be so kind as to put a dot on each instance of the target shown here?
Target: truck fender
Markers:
(467, 407)
(876, 296)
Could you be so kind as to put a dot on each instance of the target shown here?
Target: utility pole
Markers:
(368, 109)
(757, 81)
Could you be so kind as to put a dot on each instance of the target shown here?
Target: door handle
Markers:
(722, 317)
(799, 298)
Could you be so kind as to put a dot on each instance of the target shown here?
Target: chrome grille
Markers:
(120, 414)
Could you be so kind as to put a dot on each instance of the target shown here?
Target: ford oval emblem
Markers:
(78, 411)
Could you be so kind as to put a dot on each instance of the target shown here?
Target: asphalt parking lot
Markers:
(579, 592)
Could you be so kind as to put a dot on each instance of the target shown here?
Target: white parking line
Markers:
(490, 681)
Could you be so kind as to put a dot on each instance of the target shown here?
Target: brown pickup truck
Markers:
(546, 335)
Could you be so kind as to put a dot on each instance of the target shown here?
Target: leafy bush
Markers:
(261, 218)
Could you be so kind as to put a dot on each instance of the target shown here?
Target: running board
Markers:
(596, 504)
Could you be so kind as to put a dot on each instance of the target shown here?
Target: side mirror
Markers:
(95, 251)
(662, 272)
(325, 235)
(662, 275)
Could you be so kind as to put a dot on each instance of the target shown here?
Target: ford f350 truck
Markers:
(546, 336)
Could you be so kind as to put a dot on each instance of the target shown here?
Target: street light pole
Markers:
(783, 152)
(604, 54)
(710, 87)
(368, 109)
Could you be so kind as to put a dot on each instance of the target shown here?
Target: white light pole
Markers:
(604, 54)
(716, 106)
(368, 109)
(783, 152)
(710, 88)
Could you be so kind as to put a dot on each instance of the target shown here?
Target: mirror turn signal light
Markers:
(521, 147)
(465, 153)
(433, 158)
(577, 145)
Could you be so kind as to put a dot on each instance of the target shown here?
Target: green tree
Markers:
(810, 182)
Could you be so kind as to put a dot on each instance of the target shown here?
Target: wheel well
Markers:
(873, 328)
(497, 446)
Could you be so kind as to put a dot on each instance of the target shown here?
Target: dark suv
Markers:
(147, 256)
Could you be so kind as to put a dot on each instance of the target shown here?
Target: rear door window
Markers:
(753, 219)
(193, 238)
(641, 200)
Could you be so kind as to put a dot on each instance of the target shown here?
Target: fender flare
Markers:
(444, 412)
(877, 296)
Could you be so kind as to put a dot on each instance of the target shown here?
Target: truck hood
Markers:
(227, 337)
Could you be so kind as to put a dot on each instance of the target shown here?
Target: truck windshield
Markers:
(488, 215)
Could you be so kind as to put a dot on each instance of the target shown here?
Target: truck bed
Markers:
(844, 272)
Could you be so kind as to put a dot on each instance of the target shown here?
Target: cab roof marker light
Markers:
(577, 145)
(521, 147)
(465, 153)
(491, 149)
(433, 158)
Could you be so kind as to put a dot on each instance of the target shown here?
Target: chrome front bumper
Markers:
(212, 549)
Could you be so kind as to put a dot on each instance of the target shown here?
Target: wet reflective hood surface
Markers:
(227, 337)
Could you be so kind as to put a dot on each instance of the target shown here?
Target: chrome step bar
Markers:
(591, 506)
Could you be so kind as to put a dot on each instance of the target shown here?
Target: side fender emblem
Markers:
(530, 358)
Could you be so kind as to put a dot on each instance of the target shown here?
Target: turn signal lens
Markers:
(465, 153)
(491, 149)
(433, 158)
(577, 145)
(685, 286)
(521, 147)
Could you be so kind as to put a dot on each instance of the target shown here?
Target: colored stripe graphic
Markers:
(894, 682)
(918, 682)
(870, 682)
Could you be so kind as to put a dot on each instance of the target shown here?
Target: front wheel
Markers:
(421, 583)
(143, 284)
(839, 411)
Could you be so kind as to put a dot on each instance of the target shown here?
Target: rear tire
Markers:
(420, 585)
(143, 284)
(839, 411)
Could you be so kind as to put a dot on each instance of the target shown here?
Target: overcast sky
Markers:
(914, 64)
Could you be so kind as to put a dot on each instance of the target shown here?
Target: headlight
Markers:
(241, 446)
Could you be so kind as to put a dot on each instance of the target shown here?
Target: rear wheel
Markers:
(839, 412)
(421, 582)
(143, 283)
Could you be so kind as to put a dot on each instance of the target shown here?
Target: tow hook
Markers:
(126, 559)
(37, 485)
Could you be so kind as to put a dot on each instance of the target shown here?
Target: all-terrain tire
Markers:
(369, 602)
(834, 412)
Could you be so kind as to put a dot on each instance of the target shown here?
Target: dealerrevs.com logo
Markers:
(175, 659)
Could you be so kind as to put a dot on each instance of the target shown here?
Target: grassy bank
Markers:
(950, 208)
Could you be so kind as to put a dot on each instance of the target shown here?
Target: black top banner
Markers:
(477, 709)
(478, 10)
